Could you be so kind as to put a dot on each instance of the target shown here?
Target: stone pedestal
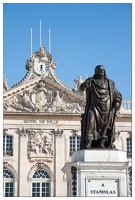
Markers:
(98, 173)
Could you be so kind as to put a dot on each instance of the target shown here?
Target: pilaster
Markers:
(23, 139)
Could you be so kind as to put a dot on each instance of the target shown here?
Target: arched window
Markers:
(40, 184)
(74, 143)
(8, 185)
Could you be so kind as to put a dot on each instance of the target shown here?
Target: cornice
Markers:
(41, 114)
(67, 116)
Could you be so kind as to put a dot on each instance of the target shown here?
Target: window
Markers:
(40, 184)
(129, 145)
(8, 184)
(7, 145)
(74, 143)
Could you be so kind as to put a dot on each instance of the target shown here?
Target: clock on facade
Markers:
(40, 67)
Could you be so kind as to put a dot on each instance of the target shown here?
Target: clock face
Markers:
(41, 67)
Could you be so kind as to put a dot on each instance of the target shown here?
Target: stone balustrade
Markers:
(126, 104)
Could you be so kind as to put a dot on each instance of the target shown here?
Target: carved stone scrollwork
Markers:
(23, 132)
(58, 132)
(117, 134)
(5, 131)
(39, 143)
(21, 102)
(58, 104)
(29, 63)
(42, 54)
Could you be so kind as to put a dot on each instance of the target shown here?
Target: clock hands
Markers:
(41, 68)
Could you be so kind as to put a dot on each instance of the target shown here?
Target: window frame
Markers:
(76, 142)
(129, 145)
(40, 181)
(10, 181)
(6, 150)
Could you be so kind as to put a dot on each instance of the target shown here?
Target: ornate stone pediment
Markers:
(41, 90)
(43, 97)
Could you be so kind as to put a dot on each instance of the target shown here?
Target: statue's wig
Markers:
(96, 71)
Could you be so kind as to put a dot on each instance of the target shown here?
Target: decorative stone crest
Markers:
(41, 96)
(39, 143)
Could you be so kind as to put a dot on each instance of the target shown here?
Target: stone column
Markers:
(23, 162)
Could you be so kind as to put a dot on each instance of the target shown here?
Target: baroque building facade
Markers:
(42, 128)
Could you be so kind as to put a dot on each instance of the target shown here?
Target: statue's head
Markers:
(100, 71)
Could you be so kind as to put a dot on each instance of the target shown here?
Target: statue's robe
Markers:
(100, 99)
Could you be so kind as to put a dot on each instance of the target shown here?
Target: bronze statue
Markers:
(103, 101)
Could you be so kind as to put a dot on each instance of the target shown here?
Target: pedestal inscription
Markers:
(101, 187)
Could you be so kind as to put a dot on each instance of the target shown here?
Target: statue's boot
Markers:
(102, 142)
(89, 144)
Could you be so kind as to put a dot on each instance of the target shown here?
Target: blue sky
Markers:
(83, 35)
